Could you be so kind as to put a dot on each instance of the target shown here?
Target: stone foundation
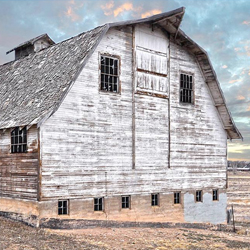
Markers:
(81, 211)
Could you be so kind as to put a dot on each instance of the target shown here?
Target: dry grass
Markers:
(15, 235)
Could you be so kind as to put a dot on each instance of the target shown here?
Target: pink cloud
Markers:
(108, 8)
(150, 13)
(122, 8)
(246, 22)
(233, 81)
(240, 97)
(224, 66)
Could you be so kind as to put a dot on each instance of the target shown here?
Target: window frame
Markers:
(217, 195)
(193, 88)
(177, 198)
(16, 136)
(115, 57)
(127, 202)
(63, 207)
(98, 204)
(200, 196)
(157, 199)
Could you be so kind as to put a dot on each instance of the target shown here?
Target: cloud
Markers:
(71, 11)
(239, 148)
(108, 8)
(240, 97)
(246, 22)
(237, 49)
(150, 13)
(233, 81)
(224, 66)
(122, 8)
(72, 15)
(247, 48)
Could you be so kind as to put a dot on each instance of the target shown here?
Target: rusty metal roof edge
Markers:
(182, 33)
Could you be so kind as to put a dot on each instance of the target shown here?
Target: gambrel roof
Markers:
(33, 87)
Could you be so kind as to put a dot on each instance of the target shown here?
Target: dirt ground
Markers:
(15, 235)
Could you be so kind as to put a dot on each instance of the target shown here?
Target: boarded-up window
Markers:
(186, 88)
(109, 74)
(19, 140)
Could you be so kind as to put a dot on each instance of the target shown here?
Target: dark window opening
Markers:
(98, 204)
(63, 207)
(186, 88)
(199, 196)
(109, 74)
(155, 199)
(125, 201)
(215, 195)
(177, 196)
(19, 140)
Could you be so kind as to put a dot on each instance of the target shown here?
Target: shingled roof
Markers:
(33, 87)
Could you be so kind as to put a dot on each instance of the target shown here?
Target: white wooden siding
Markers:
(151, 50)
(86, 146)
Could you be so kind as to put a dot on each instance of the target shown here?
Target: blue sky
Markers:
(221, 27)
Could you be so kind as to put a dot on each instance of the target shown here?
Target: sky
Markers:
(221, 27)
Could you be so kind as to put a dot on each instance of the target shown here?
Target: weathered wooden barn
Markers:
(125, 122)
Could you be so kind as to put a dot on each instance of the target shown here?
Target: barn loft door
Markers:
(151, 51)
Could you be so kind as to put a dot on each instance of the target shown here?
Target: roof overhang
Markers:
(212, 82)
(169, 21)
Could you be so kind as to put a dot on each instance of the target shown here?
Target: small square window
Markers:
(125, 201)
(63, 207)
(109, 74)
(215, 195)
(186, 88)
(177, 196)
(19, 140)
(155, 199)
(199, 196)
(98, 204)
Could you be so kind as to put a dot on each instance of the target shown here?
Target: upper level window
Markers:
(186, 88)
(125, 201)
(19, 140)
(109, 74)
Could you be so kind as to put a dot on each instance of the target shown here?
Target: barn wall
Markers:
(198, 141)
(86, 146)
(18, 172)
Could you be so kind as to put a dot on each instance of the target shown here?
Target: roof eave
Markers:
(228, 128)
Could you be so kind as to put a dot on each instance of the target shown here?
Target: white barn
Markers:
(125, 122)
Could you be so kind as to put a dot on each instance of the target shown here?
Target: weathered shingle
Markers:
(31, 87)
